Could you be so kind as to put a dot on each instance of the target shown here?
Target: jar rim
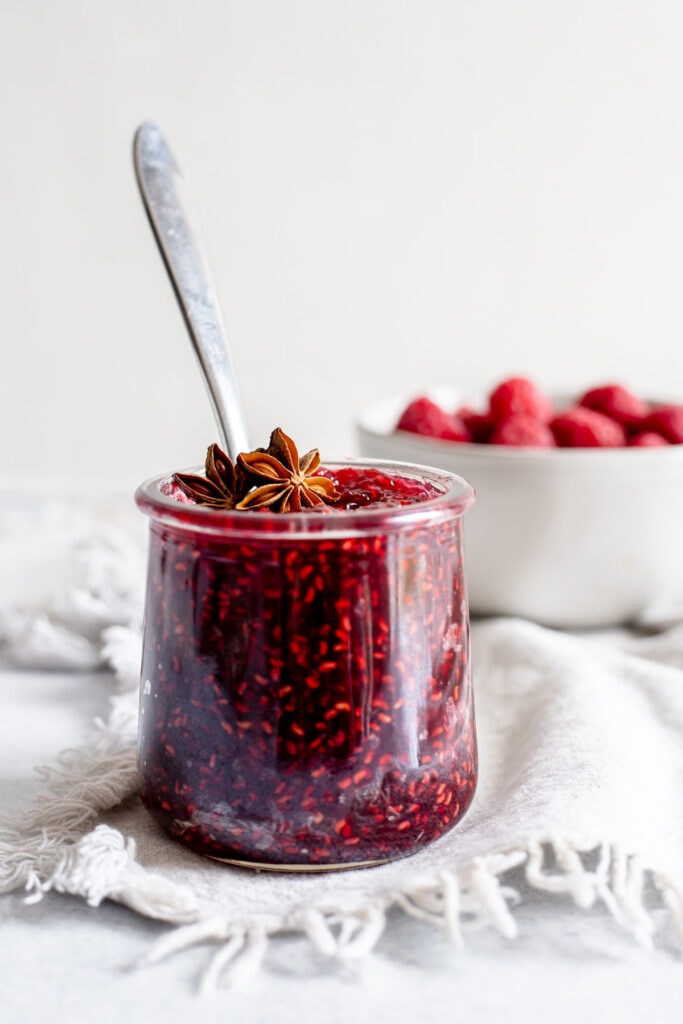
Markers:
(456, 496)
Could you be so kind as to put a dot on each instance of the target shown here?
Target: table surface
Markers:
(80, 961)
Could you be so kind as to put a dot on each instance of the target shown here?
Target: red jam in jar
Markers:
(306, 699)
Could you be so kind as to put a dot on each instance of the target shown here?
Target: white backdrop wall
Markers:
(394, 193)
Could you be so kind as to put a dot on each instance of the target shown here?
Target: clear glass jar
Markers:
(306, 700)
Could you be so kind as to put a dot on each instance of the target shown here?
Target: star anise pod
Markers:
(287, 482)
(222, 487)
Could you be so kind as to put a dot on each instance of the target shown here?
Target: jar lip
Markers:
(456, 497)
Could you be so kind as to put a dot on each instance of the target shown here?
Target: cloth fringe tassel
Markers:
(35, 843)
(102, 865)
(469, 898)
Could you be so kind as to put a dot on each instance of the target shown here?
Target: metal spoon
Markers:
(165, 197)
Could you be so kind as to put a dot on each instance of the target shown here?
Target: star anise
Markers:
(290, 483)
(222, 487)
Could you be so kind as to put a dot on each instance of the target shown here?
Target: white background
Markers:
(394, 193)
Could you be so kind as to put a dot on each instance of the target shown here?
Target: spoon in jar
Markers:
(166, 201)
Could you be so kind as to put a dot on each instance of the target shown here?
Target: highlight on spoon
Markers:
(175, 227)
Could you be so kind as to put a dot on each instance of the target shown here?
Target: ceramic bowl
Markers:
(571, 538)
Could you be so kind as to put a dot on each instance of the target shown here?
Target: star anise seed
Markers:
(222, 487)
(288, 482)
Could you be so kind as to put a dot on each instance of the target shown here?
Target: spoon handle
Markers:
(166, 200)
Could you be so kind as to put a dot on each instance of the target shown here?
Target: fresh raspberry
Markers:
(479, 424)
(579, 427)
(618, 403)
(667, 421)
(423, 416)
(648, 439)
(524, 432)
(517, 395)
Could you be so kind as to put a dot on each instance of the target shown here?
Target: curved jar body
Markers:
(306, 699)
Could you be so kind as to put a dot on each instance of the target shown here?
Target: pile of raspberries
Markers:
(519, 414)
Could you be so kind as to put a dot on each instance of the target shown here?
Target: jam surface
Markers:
(369, 488)
(358, 487)
(307, 700)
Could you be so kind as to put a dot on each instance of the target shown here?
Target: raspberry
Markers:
(479, 424)
(523, 431)
(579, 427)
(617, 402)
(517, 395)
(667, 421)
(648, 439)
(423, 416)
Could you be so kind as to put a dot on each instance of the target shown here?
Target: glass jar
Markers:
(306, 699)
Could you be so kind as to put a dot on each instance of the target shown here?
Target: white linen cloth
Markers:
(581, 784)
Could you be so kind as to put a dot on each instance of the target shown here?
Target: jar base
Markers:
(298, 868)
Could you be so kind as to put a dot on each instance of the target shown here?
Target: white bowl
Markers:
(569, 537)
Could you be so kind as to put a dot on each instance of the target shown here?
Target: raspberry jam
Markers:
(306, 699)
